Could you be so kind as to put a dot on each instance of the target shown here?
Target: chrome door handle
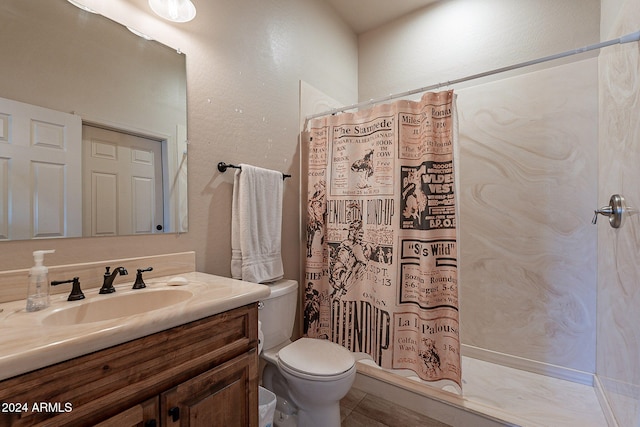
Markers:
(614, 211)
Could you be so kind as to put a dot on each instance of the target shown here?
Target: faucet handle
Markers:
(76, 293)
(109, 277)
(139, 284)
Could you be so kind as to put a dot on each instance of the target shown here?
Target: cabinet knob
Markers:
(174, 413)
(151, 423)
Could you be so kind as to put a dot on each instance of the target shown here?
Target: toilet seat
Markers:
(316, 359)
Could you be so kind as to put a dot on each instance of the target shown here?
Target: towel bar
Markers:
(222, 167)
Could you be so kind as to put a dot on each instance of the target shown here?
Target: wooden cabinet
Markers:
(201, 373)
(216, 398)
(145, 414)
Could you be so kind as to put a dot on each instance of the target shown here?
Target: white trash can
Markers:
(266, 407)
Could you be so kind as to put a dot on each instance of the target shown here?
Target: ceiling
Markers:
(365, 15)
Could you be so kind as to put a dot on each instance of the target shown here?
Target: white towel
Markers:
(256, 225)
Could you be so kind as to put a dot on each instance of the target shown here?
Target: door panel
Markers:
(104, 209)
(142, 204)
(48, 193)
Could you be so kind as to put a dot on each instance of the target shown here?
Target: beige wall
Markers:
(244, 63)
(618, 353)
(528, 165)
(458, 38)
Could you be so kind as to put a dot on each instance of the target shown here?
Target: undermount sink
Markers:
(116, 306)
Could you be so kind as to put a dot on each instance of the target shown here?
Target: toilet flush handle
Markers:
(614, 211)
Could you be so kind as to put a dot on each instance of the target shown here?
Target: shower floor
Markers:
(493, 395)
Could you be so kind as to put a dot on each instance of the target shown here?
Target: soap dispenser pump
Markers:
(38, 294)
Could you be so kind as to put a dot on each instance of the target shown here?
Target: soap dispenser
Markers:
(38, 294)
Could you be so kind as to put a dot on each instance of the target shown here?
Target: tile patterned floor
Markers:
(359, 409)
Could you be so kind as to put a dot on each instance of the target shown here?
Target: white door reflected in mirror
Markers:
(122, 183)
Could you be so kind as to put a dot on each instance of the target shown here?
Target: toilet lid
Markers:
(316, 357)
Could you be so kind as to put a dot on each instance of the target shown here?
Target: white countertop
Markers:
(27, 342)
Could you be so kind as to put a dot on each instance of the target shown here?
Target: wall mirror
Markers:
(78, 91)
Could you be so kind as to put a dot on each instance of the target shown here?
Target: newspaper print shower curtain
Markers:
(381, 249)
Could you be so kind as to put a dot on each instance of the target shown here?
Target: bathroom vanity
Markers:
(191, 363)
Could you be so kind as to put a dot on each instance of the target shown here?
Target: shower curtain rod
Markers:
(631, 37)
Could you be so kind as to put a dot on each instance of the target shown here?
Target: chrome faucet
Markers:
(107, 284)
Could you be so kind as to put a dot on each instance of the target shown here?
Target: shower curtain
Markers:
(381, 250)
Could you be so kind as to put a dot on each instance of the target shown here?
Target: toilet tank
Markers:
(278, 314)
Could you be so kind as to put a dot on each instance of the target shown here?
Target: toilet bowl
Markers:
(308, 376)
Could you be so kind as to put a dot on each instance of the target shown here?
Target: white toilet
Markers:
(309, 376)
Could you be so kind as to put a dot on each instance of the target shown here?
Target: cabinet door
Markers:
(145, 414)
(224, 396)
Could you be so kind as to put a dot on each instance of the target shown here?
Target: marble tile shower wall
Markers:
(618, 355)
(528, 174)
